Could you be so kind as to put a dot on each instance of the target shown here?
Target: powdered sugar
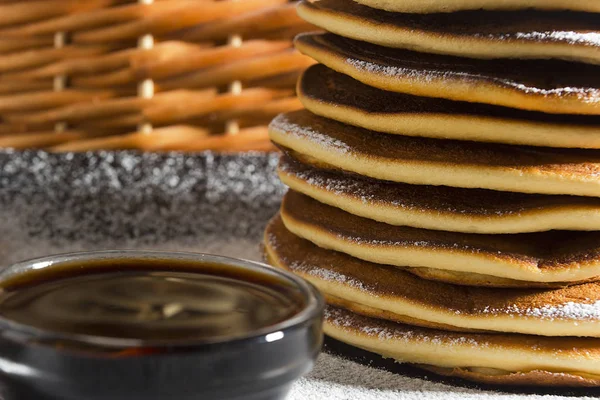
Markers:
(424, 75)
(398, 332)
(568, 37)
(306, 267)
(408, 242)
(285, 125)
(567, 311)
(336, 186)
(331, 275)
(343, 319)
(587, 95)
(406, 197)
(390, 70)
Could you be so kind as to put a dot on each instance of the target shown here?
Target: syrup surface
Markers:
(147, 300)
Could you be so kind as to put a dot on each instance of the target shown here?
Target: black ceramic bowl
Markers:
(261, 365)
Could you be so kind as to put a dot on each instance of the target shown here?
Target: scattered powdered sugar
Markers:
(272, 241)
(569, 37)
(388, 331)
(334, 185)
(391, 70)
(284, 124)
(585, 94)
(331, 276)
(305, 267)
(345, 320)
(381, 333)
(566, 311)
(373, 68)
(401, 242)
(415, 198)
(588, 95)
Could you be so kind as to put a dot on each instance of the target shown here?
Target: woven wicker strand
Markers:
(152, 75)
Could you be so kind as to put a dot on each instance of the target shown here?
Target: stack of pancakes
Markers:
(445, 183)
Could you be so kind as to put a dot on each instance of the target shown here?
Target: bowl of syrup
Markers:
(129, 325)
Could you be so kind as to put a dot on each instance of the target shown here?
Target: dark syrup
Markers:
(197, 325)
(149, 300)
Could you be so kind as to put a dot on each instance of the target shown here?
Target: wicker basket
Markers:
(153, 74)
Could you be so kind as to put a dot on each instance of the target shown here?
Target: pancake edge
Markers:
(438, 257)
(398, 309)
(578, 218)
(354, 27)
(437, 6)
(472, 91)
(511, 365)
(438, 174)
(466, 127)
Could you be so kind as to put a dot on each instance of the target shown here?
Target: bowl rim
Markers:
(14, 330)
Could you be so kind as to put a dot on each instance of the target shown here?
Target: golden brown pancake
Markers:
(425, 161)
(440, 207)
(480, 280)
(358, 308)
(555, 256)
(476, 34)
(439, 6)
(550, 86)
(337, 96)
(390, 293)
(491, 358)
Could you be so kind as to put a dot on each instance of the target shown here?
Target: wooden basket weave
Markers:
(188, 75)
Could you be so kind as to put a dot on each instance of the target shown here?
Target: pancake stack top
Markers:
(444, 183)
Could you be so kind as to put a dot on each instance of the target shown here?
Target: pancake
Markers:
(333, 95)
(481, 280)
(476, 34)
(439, 6)
(390, 293)
(550, 86)
(510, 359)
(425, 161)
(555, 256)
(441, 207)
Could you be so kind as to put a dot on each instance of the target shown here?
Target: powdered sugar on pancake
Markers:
(305, 267)
(566, 311)
(334, 276)
(570, 37)
(425, 75)
(337, 186)
(311, 134)
(384, 330)
(392, 71)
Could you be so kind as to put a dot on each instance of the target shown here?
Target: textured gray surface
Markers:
(211, 203)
